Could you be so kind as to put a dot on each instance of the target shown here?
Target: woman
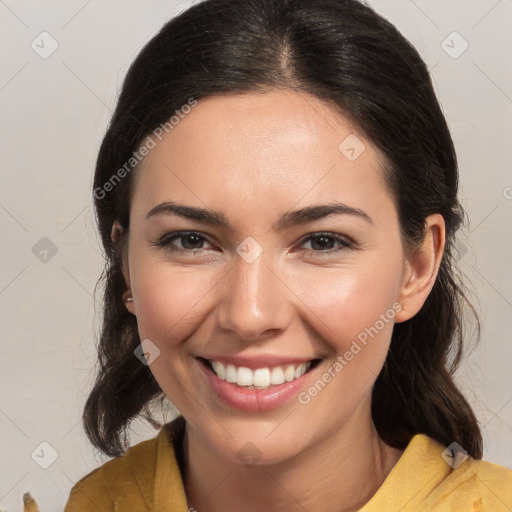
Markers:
(277, 199)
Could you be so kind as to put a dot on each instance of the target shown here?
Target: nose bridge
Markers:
(254, 299)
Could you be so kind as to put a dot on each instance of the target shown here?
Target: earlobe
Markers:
(116, 232)
(115, 235)
(128, 301)
(422, 268)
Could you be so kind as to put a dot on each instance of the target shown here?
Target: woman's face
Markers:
(265, 278)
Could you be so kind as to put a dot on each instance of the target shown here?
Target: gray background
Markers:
(54, 112)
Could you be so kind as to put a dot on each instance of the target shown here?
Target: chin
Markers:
(256, 443)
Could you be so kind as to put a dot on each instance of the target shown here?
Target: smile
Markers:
(259, 378)
(259, 388)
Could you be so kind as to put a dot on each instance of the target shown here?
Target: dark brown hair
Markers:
(342, 52)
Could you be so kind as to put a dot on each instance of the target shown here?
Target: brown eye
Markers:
(327, 243)
(192, 241)
(182, 241)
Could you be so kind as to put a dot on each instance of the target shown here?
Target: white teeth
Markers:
(289, 373)
(300, 370)
(219, 370)
(261, 378)
(244, 376)
(230, 373)
(277, 375)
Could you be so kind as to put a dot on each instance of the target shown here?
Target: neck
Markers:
(341, 472)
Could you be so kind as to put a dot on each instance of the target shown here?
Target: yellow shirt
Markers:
(147, 478)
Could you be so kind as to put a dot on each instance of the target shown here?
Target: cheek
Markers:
(168, 301)
(170, 308)
(346, 303)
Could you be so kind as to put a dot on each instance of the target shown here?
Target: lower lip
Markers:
(254, 400)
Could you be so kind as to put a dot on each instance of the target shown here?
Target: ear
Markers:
(116, 235)
(422, 267)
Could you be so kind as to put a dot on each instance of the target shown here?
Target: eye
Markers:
(190, 241)
(327, 243)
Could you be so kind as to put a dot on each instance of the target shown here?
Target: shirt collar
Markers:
(417, 472)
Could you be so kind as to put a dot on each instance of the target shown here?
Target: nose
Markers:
(255, 301)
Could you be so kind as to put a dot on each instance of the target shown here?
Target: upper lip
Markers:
(257, 361)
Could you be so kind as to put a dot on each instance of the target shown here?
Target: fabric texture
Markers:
(148, 478)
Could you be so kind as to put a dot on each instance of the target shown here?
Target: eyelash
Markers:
(166, 240)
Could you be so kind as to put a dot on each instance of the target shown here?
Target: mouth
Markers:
(262, 378)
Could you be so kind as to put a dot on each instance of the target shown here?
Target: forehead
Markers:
(274, 146)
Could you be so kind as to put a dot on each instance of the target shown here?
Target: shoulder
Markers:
(459, 482)
(483, 486)
(435, 478)
(126, 480)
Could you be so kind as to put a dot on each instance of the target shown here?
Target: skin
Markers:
(253, 157)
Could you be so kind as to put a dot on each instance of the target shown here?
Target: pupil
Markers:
(327, 241)
(187, 239)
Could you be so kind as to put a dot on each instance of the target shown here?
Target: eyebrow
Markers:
(289, 219)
